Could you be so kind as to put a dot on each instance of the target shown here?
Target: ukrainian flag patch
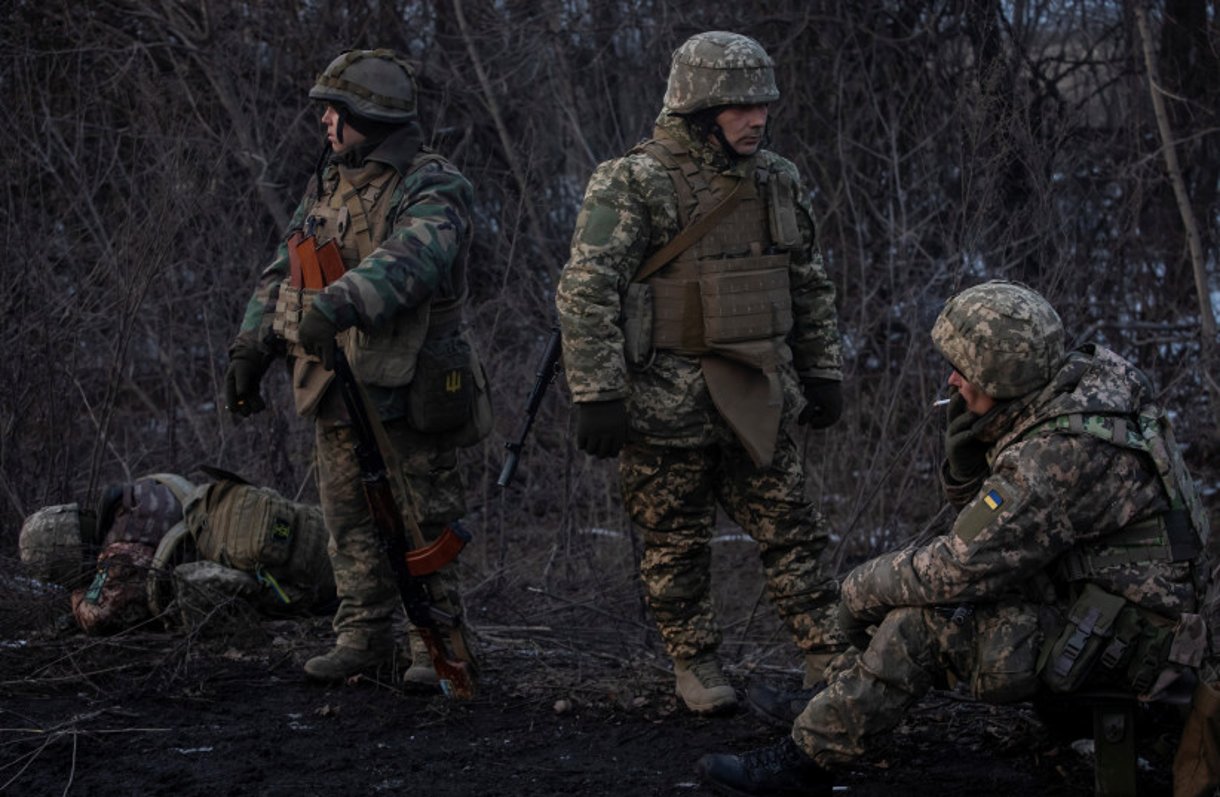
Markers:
(993, 499)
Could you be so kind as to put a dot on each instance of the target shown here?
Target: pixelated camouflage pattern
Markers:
(1056, 491)
(1002, 337)
(671, 495)
(1059, 491)
(368, 595)
(629, 212)
(994, 653)
(719, 68)
(377, 84)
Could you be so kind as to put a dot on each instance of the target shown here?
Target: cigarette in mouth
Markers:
(940, 402)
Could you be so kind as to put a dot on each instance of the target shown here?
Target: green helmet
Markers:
(719, 68)
(50, 544)
(376, 84)
(1003, 337)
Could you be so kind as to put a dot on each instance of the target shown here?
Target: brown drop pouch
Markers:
(440, 397)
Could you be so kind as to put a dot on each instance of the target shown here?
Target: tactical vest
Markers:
(1106, 637)
(731, 285)
(1177, 535)
(357, 210)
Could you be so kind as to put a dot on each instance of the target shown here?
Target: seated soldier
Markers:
(1076, 559)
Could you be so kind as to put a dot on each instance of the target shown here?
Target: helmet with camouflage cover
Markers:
(374, 84)
(1003, 337)
(50, 544)
(719, 68)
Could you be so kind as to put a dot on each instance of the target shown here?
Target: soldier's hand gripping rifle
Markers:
(548, 368)
(409, 566)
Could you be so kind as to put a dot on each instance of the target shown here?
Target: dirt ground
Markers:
(575, 702)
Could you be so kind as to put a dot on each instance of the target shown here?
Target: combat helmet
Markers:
(374, 84)
(50, 544)
(1003, 337)
(719, 68)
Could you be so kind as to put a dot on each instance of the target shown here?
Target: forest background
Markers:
(152, 153)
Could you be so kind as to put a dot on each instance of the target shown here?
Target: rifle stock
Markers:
(548, 369)
(408, 566)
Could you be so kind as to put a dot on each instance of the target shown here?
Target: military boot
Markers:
(702, 685)
(421, 674)
(779, 707)
(781, 769)
(343, 661)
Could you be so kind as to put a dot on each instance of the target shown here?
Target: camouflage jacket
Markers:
(416, 262)
(1046, 493)
(629, 212)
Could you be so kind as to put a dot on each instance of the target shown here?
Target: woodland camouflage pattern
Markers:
(681, 458)
(1003, 337)
(1056, 491)
(411, 265)
(426, 240)
(719, 68)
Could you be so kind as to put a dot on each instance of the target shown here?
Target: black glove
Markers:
(316, 335)
(967, 456)
(247, 364)
(853, 628)
(824, 402)
(601, 427)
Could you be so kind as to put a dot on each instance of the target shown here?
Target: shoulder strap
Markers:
(690, 234)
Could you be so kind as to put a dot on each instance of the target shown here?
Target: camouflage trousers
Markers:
(913, 650)
(671, 494)
(368, 595)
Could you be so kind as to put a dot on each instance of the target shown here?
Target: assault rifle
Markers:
(409, 567)
(548, 369)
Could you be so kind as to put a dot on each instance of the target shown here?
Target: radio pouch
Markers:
(1066, 660)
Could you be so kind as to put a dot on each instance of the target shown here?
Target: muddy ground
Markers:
(574, 698)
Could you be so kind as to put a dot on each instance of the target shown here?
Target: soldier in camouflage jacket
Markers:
(1074, 561)
(698, 360)
(398, 217)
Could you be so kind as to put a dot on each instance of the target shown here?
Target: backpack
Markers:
(256, 530)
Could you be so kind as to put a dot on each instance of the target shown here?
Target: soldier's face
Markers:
(743, 127)
(977, 401)
(330, 120)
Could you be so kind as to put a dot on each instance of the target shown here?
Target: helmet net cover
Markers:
(376, 84)
(1003, 337)
(719, 68)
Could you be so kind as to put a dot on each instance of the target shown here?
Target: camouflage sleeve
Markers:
(260, 309)
(416, 258)
(1019, 523)
(817, 349)
(616, 228)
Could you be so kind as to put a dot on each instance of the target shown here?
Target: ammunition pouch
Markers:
(1108, 641)
(722, 304)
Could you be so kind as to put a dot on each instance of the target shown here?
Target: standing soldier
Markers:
(698, 328)
(375, 261)
(1076, 559)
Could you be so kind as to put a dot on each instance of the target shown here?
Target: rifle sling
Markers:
(390, 455)
(690, 234)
